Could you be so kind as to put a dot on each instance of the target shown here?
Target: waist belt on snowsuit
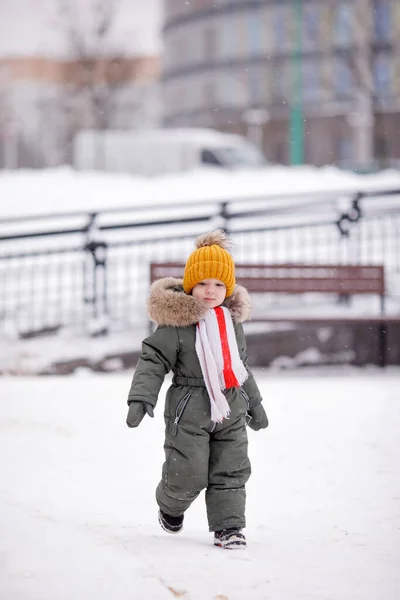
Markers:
(189, 381)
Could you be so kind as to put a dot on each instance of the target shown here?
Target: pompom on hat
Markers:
(210, 260)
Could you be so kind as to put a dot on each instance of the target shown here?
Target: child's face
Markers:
(211, 291)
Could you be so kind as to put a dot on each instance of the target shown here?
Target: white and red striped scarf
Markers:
(220, 363)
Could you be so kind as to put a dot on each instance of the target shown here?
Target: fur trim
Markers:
(217, 238)
(239, 304)
(169, 305)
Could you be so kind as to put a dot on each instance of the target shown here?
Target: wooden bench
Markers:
(341, 280)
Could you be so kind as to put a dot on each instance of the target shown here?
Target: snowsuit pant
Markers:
(199, 455)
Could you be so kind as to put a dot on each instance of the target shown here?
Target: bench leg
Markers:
(382, 344)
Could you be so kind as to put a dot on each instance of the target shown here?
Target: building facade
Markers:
(255, 66)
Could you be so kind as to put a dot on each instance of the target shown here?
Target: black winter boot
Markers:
(230, 539)
(169, 523)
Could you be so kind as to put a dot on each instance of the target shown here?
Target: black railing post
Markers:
(224, 216)
(382, 344)
(353, 215)
(95, 281)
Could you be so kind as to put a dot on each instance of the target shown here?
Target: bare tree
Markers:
(98, 69)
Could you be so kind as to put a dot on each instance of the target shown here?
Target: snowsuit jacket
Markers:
(198, 453)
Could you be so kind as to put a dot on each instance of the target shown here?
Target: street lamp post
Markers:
(296, 144)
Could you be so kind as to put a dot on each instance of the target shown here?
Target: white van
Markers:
(158, 151)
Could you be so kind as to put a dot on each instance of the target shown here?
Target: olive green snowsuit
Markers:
(198, 453)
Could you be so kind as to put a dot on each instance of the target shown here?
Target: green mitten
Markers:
(136, 412)
(257, 417)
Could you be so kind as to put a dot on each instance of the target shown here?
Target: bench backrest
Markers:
(295, 278)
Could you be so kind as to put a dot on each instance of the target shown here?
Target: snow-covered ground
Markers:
(78, 514)
(63, 190)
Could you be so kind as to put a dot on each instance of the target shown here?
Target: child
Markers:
(213, 393)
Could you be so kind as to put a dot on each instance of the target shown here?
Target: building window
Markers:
(227, 38)
(280, 27)
(191, 95)
(254, 34)
(311, 81)
(345, 148)
(382, 20)
(210, 44)
(195, 45)
(209, 100)
(225, 89)
(178, 51)
(343, 80)
(198, 3)
(255, 88)
(242, 89)
(343, 24)
(278, 81)
(382, 77)
(310, 25)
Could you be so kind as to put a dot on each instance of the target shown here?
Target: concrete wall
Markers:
(354, 344)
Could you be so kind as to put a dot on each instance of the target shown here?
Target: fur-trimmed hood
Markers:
(169, 305)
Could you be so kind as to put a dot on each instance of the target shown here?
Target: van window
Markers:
(245, 155)
(208, 158)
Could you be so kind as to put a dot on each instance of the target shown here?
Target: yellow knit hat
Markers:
(211, 260)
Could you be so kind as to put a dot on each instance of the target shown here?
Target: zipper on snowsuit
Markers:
(246, 398)
(248, 416)
(179, 412)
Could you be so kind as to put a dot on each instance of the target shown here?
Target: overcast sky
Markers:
(30, 27)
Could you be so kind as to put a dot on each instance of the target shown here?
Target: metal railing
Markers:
(89, 272)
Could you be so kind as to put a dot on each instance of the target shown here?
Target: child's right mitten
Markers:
(136, 412)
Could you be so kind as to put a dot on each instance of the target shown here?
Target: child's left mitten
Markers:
(257, 418)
